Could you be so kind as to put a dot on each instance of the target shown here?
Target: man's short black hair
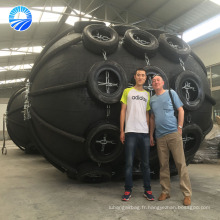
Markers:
(140, 69)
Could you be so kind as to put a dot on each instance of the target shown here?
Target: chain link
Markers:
(27, 104)
(147, 59)
(189, 118)
(4, 149)
(108, 111)
(182, 64)
(104, 55)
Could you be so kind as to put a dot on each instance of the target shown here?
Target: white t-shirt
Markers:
(137, 104)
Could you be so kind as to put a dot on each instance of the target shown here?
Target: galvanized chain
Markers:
(188, 87)
(4, 149)
(189, 118)
(104, 55)
(147, 59)
(182, 64)
(149, 86)
(108, 111)
(101, 37)
(27, 104)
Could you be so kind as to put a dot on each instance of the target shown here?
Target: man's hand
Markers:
(122, 137)
(180, 130)
(151, 141)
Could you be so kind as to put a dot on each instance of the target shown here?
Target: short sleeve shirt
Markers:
(162, 108)
(138, 102)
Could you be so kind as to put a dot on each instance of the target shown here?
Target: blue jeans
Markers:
(132, 141)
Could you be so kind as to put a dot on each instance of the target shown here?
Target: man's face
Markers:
(157, 83)
(140, 77)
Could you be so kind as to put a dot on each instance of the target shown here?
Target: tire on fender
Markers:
(107, 81)
(99, 38)
(192, 138)
(139, 43)
(189, 87)
(103, 143)
(173, 47)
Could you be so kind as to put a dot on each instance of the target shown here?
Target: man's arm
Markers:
(148, 119)
(152, 127)
(122, 122)
(180, 119)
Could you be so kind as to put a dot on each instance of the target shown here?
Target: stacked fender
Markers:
(16, 126)
(75, 90)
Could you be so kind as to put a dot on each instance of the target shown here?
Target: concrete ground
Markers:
(31, 188)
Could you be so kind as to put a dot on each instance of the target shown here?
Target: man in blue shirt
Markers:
(169, 138)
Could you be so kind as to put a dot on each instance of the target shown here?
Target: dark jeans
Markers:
(132, 141)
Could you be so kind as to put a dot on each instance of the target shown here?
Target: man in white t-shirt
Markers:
(135, 118)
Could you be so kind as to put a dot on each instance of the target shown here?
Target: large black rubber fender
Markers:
(16, 126)
(64, 109)
(15, 119)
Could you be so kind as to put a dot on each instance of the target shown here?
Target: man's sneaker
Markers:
(126, 196)
(148, 195)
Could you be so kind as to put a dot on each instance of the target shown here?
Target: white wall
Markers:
(208, 50)
(2, 112)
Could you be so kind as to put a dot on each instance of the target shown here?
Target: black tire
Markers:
(80, 25)
(99, 38)
(192, 138)
(92, 173)
(173, 47)
(121, 29)
(139, 43)
(103, 143)
(114, 81)
(190, 89)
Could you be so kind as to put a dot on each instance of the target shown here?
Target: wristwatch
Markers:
(180, 127)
